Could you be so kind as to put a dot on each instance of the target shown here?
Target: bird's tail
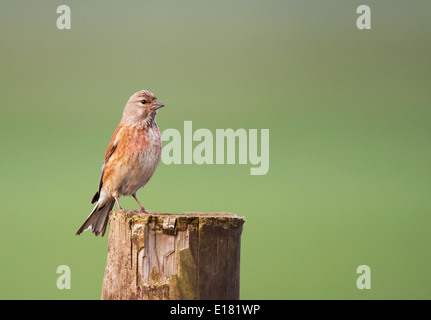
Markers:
(98, 218)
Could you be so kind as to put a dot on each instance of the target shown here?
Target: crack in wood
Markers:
(173, 256)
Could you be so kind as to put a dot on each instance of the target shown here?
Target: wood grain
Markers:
(173, 256)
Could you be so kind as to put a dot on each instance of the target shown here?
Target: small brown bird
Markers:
(130, 160)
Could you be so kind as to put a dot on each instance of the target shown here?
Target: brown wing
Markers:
(109, 151)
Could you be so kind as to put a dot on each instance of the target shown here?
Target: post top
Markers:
(131, 213)
(170, 222)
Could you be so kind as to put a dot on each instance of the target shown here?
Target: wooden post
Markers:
(173, 256)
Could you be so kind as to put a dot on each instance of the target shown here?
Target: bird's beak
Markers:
(157, 105)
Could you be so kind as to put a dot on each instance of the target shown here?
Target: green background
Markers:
(348, 112)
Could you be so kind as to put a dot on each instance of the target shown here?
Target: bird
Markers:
(131, 158)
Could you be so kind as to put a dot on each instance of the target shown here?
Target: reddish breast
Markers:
(132, 144)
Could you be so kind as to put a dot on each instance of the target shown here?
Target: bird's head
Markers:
(141, 108)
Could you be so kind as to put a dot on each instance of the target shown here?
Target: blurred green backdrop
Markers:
(349, 115)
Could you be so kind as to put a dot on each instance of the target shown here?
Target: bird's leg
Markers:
(118, 204)
(140, 205)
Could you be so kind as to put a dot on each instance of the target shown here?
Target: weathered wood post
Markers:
(173, 256)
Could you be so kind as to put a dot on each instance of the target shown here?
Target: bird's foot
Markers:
(140, 205)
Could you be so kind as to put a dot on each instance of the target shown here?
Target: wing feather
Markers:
(109, 151)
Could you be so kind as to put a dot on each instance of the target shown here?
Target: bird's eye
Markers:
(144, 101)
